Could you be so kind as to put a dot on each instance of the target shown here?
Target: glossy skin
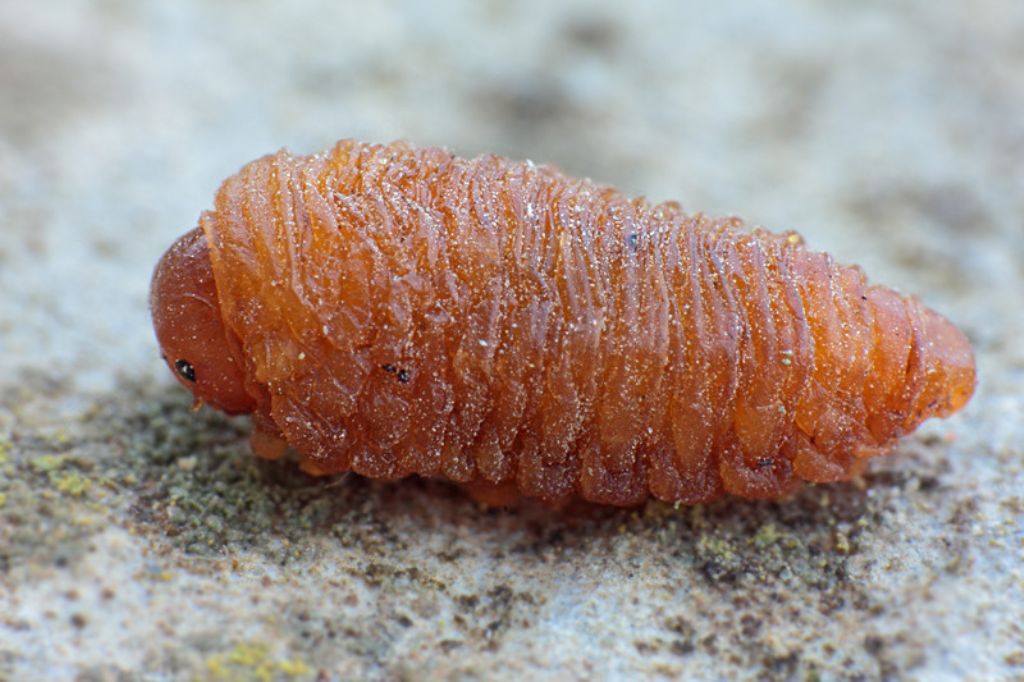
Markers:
(190, 330)
(396, 311)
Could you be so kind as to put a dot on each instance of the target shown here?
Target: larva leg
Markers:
(266, 442)
(493, 494)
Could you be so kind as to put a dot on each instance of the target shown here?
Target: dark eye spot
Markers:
(185, 370)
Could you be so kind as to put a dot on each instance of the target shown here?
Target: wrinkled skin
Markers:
(395, 311)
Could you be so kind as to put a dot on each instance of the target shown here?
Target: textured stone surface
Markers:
(138, 537)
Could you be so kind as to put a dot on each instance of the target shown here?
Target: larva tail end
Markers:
(946, 371)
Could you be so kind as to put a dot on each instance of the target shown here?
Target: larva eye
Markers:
(185, 370)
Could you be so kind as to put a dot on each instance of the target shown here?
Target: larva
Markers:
(393, 310)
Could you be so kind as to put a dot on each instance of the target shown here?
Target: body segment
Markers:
(402, 311)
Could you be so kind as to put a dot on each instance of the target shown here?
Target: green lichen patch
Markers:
(385, 568)
(49, 505)
(194, 482)
(255, 661)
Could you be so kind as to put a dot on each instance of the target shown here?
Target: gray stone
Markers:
(138, 538)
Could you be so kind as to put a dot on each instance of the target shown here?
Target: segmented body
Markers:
(403, 311)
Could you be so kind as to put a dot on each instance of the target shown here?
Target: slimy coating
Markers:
(393, 310)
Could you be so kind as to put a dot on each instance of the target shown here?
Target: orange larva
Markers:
(391, 311)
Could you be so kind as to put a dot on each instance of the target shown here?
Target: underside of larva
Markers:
(392, 310)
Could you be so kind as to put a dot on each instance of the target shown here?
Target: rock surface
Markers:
(137, 537)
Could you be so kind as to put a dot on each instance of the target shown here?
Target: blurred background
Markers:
(888, 133)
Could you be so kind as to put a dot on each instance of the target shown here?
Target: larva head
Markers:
(189, 328)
